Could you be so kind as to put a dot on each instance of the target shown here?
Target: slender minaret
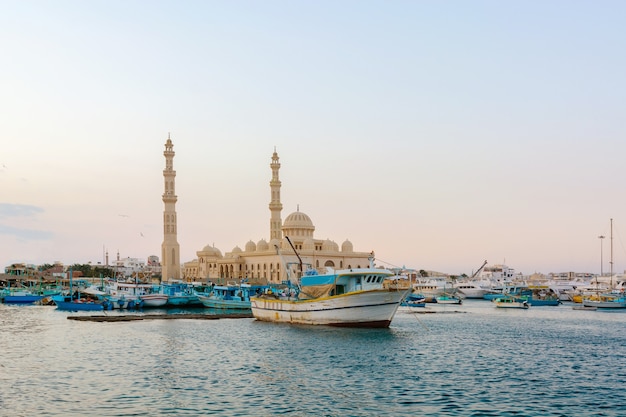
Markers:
(170, 250)
(275, 205)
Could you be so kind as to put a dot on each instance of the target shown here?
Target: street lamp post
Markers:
(601, 262)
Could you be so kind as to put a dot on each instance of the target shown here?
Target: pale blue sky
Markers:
(437, 133)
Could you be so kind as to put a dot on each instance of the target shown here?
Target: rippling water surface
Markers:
(469, 360)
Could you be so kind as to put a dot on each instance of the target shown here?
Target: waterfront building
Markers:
(170, 250)
(260, 261)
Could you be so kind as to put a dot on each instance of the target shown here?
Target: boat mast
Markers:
(611, 263)
(298, 255)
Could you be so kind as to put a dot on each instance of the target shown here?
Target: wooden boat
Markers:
(348, 298)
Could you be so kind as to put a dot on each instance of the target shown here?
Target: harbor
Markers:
(469, 359)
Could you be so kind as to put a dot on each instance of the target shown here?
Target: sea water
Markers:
(468, 360)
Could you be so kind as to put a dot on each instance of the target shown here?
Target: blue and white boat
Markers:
(70, 303)
(509, 301)
(448, 299)
(180, 294)
(541, 296)
(20, 297)
(231, 297)
(606, 300)
(413, 300)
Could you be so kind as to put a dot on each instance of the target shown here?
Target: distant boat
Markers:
(507, 301)
(448, 299)
(353, 297)
(541, 296)
(470, 288)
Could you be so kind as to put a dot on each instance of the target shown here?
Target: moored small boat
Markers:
(69, 303)
(153, 300)
(232, 297)
(413, 300)
(510, 302)
(448, 299)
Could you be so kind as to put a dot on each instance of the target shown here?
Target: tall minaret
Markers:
(275, 205)
(170, 250)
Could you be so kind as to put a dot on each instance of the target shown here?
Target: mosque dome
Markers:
(329, 245)
(262, 246)
(308, 244)
(210, 250)
(298, 224)
(236, 249)
(298, 220)
(347, 246)
(274, 243)
(250, 246)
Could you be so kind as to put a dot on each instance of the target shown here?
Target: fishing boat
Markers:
(75, 302)
(154, 299)
(133, 294)
(606, 300)
(508, 301)
(232, 296)
(20, 296)
(471, 287)
(448, 299)
(71, 303)
(413, 300)
(352, 297)
(180, 294)
(541, 296)
(28, 295)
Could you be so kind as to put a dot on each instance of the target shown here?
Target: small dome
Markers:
(250, 246)
(274, 243)
(298, 220)
(329, 245)
(209, 250)
(308, 244)
(236, 249)
(262, 246)
(347, 246)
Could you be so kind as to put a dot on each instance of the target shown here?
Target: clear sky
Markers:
(437, 133)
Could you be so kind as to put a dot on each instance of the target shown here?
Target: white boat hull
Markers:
(153, 300)
(604, 304)
(511, 304)
(372, 308)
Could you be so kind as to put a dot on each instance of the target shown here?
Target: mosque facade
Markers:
(270, 260)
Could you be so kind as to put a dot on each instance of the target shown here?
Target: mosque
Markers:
(260, 261)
